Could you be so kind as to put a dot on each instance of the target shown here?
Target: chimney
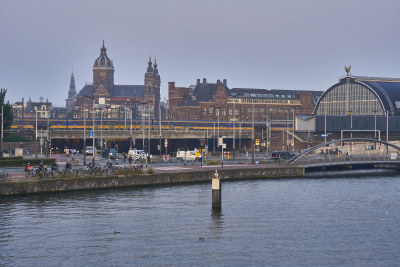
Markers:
(198, 82)
(204, 80)
(225, 83)
(171, 85)
(218, 82)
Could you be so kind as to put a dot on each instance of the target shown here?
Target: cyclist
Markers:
(54, 166)
(28, 167)
(68, 165)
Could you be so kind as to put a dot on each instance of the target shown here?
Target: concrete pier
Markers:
(216, 191)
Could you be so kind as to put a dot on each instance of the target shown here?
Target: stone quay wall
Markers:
(87, 183)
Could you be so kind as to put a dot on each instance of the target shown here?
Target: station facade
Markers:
(216, 101)
(369, 105)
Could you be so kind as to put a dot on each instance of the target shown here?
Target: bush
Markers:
(15, 138)
(19, 162)
(11, 158)
(213, 162)
(129, 171)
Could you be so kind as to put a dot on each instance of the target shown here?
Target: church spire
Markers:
(149, 67)
(72, 89)
(155, 66)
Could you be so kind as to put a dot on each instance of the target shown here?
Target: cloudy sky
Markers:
(285, 44)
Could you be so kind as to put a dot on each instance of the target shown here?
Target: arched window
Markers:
(345, 98)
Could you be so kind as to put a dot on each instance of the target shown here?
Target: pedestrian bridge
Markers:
(353, 158)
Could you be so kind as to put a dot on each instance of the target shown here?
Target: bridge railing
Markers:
(340, 157)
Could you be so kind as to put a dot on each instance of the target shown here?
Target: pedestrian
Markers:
(130, 159)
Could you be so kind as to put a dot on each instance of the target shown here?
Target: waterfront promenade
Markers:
(157, 166)
(151, 175)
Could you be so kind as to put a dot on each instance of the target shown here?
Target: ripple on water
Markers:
(323, 221)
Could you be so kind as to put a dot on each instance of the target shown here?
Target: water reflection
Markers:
(217, 222)
(352, 173)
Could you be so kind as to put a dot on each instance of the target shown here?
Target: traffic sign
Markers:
(166, 142)
(91, 134)
(324, 135)
(220, 141)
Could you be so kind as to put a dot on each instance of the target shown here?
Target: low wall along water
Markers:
(85, 183)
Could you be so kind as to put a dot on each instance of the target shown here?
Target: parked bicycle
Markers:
(4, 176)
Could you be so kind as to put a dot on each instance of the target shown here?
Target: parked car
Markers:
(89, 151)
(282, 155)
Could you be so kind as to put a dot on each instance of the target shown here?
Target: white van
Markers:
(137, 154)
(188, 155)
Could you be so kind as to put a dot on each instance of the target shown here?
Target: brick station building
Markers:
(213, 101)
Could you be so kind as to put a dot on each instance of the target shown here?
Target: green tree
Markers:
(7, 113)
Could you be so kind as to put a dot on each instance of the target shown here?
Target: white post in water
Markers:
(216, 191)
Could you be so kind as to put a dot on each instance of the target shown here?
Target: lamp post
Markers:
(84, 132)
(387, 125)
(125, 116)
(143, 120)
(252, 137)
(101, 130)
(287, 129)
(325, 129)
(218, 126)
(159, 123)
(148, 142)
(234, 127)
(93, 126)
(84, 135)
(375, 123)
(131, 127)
(2, 129)
(351, 129)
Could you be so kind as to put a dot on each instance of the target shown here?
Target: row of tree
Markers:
(6, 108)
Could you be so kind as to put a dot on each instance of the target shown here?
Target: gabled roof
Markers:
(87, 90)
(204, 91)
(189, 100)
(116, 91)
(127, 91)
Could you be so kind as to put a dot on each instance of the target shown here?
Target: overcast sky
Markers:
(271, 44)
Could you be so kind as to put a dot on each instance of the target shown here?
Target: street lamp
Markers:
(252, 137)
(101, 130)
(2, 129)
(84, 132)
(351, 129)
(234, 127)
(131, 126)
(143, 121)
(159, 123)
(148, 140)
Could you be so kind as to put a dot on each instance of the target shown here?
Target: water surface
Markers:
(347, 219)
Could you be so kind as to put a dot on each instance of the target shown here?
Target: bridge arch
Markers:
(293, 160)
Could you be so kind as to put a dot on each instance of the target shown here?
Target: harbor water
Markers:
(346, 219)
